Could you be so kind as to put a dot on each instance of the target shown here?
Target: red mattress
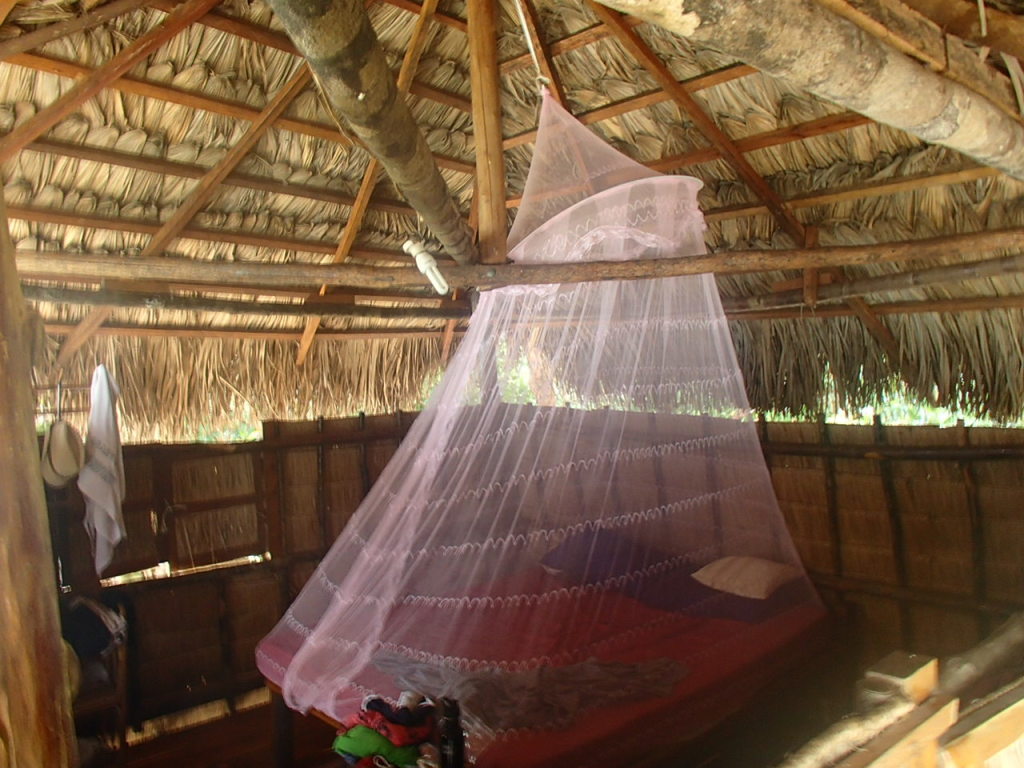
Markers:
(727, 662)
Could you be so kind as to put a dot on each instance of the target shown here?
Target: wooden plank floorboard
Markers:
(243, 740)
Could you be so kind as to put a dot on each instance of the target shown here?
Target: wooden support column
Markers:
(138, 50)
(337, 39)
(492, 220)
(35, 704)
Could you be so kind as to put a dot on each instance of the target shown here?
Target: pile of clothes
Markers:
(381, 734)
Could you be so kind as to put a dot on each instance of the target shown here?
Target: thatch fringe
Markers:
(179, 390)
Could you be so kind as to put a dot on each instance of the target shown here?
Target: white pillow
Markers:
(746, 576)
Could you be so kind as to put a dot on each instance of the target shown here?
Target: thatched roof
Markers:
(297, 185)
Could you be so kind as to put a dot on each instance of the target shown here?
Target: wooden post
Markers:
(337, 39)
(35, 702)
(492, 220)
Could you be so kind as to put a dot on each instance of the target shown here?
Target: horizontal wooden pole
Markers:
(353, 276)
(145, 226)
(245, 334)
(976, 304)
(191, 171)
(344, 308)
(49, 32)
(972, 270)
(568, 43)
(880, 451)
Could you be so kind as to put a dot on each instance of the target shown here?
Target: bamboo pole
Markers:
(830, 57)
(336, 38)
(35, 702)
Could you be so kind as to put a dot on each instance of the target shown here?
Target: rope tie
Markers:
(541, 79)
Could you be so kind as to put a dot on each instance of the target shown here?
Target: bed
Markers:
(711, 651)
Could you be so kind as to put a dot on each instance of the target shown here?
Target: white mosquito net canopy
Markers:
(531, 549)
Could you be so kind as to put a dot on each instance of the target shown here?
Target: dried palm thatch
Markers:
(173, 387)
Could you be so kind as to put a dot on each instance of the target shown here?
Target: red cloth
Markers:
(399, 735)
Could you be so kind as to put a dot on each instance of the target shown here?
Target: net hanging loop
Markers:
(542, 81)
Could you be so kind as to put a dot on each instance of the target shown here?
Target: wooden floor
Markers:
(242, 740)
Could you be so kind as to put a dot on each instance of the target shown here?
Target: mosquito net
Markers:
(584, 488)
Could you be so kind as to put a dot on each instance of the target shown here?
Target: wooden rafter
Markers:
(644, 100)
(57, 329)
(194, 100)
(340, 307)
(61, 268)
(6, 6)
(207, 186)
(568, 43)
(100, 78)
(945, 306)
(197, 198)
(190, 171)
(59, 29)
(650, 61)
(492, 219)
(417, 43)
(148, 227)
(358, 277)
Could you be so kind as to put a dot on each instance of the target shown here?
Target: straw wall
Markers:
(914, 532)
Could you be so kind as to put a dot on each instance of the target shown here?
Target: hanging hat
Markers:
(63, 454)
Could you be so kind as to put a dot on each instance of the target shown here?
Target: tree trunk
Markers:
(336, 38)
(35, 705)
(830, 57)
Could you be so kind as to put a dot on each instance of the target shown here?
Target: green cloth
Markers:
(362, 742)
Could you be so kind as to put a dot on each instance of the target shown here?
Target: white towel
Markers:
(102, 478)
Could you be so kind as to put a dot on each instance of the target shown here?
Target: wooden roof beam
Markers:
(164, 331)
(190, 171)
(55, 31)
(195, 201)
(6, 6)
(830, 57)
(100, 78)
(147, 227)
(194, 100)
(358, 277)
(568, 43)
(339, 307)
(939, 306)
(61, 269)
(632, 42)
(1005, 30)
(212, 179)
(644, 100)
(350, 67)
(411, 60)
